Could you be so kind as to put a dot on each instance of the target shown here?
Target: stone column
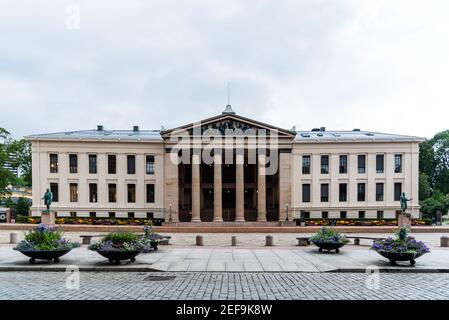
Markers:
(240, 189)
(285, 178)
(261, 189)
(196, 204)
(171, 201)
(218, 187)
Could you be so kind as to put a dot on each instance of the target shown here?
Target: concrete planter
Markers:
(115, 256)
(44, 255)
(394, 256)
(329, 246)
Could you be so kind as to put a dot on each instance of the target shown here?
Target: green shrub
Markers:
(44, 238)
(328, 235)
(119, 241)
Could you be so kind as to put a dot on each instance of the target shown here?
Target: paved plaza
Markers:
(249, 256)
(299, 259)
(223, 286)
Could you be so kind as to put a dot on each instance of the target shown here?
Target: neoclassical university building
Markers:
(225, 168)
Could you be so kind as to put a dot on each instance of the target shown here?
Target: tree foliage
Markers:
(434, 161)
(438, 202)
(5, 175)
(21, 151)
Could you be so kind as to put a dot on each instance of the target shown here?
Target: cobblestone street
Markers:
(221, 286)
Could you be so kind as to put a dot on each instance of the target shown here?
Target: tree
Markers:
(21, 151)
(424, 187)
(22, 207)
(438, 202)
(5, 175)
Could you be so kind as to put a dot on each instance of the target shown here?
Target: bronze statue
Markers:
(403, 199)
(48, 198)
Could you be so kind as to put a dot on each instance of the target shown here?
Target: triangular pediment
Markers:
(227, 121)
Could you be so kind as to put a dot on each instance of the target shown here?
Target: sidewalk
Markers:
(299, 259)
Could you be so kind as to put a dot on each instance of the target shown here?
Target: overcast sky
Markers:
(375, 65)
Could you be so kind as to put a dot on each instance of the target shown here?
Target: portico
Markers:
(230, 176)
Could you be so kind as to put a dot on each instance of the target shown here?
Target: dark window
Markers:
(305, 214)
(397, 191)
(131, 164)
(324, 192)
(305, 164)
(343, 214)
(112, 164)
(150, 215)
(343, 168)
(324, 164)
(380, 163)
(92, 214)
(361, 192)
(343, 192)
(380, 214)
(306, 192)
(361, 163)
(53, 163)
(379, 192)
(111, 214)
(73, 192)
(131, 193)
(112, 191)
(93, 196)
(150, 165)
(398, 163)
(361, 214)
(150, 193)
(73, 214)
(73, 163)
(54, 188)
(92, 163)
(325, 215)
(131, 215)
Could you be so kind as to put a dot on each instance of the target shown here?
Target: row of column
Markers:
(239, 189)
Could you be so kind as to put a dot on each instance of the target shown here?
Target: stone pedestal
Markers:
(404, 220)
(48, 218)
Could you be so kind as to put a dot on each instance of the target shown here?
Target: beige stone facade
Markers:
(157, 174)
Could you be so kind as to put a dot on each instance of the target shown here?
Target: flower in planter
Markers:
(328, 235)
(401, 244)
(118, 241)
(44, 238)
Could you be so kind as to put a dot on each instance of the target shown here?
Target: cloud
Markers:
(341, 64)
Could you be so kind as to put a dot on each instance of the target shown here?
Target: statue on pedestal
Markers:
(403, 200)
(48, 198)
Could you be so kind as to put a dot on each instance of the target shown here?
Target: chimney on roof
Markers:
(356, 129)
(99, 128)
(136, 128)
(323, 129)
(315, 129)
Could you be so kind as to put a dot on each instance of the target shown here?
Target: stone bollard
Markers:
(444, 241)
(234, 241)
(356, 241)
(13, 238)
(199, 241)
(269, 241)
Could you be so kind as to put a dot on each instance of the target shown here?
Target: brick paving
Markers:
(223, 286)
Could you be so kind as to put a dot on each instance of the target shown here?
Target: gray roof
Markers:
(155, 136)
(352, 136)
(103, 135)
